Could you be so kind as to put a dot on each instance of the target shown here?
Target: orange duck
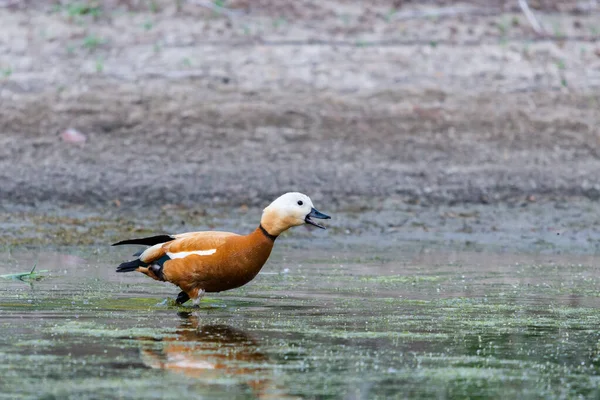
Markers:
(200, 262)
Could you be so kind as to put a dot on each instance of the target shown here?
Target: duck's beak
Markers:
(315, 214)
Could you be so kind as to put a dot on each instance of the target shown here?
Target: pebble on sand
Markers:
(73, 136)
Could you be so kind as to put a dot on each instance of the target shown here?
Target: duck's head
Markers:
(288, 210)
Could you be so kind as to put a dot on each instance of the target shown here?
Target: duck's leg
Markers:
(182, 297)
(196, 294)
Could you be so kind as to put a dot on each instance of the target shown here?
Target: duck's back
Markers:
(191, 242)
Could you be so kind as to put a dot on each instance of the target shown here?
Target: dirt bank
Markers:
(349, 104)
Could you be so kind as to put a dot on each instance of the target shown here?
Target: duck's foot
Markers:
(182, 297)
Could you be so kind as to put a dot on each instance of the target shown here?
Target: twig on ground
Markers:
(537, 27)
(216, 8)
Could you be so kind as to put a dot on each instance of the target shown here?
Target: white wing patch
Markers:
(183, 254)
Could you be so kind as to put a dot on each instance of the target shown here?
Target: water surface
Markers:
(358, 324)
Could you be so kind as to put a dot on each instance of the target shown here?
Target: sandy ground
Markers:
(351, 104)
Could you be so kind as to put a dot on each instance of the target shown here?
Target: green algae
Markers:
(374, 328)
(399, 279)
(77, 328)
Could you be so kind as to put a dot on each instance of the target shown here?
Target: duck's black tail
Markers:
(148, 241)
(131, 265)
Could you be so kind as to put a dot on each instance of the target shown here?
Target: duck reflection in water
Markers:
(208, 352)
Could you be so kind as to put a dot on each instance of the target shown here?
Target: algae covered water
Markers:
(322, 324)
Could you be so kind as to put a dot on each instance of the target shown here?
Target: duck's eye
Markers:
(300, 202)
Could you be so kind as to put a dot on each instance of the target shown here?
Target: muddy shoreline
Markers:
(461, 130)
(189, 108)
(569, 227)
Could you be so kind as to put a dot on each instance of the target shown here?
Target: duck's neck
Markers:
(266, 233)
(273, 223)
(259, 246)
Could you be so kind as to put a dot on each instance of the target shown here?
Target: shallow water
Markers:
(361, 324)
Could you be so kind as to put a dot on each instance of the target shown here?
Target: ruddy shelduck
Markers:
(200, 262)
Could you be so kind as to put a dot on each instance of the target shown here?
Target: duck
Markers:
(215, 261)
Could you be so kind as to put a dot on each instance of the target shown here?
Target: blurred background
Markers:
(150, 103)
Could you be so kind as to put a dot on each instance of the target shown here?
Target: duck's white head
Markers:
(288, 210)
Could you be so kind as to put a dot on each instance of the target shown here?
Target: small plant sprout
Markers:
(92, 42)
(80, 9)
(503, 28)
(153, 6)
(277, 23)
(25, 276)
(558, 30)
(390, 15)
(99, 65)
(561, 66)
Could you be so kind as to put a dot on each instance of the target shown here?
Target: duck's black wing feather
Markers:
(148, 241)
